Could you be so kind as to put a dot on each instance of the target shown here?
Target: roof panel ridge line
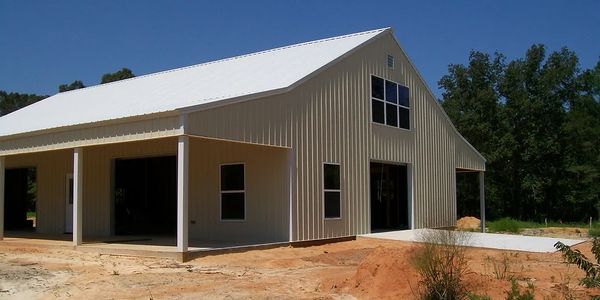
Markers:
(253, 95)
(230, 58)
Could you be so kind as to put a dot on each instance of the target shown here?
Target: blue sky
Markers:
(46, 43)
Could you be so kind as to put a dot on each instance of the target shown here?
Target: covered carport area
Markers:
(173, 183)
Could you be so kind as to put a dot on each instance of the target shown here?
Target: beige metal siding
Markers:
(266, 192)
(467, 157)
(98, 135)
(327, 119)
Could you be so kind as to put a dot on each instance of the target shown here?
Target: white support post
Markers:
(77, 196)
(182, 193)
(2, 168)
(482, 199)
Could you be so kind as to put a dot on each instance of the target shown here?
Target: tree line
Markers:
(536, 120)
(10, 102)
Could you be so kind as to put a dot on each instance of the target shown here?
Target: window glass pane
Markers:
(404, 118)
(391, 92)
(331, 177)
(377, 87)
(332, 205)
(391, 115)
(378, 111)
(403, 94)
(232, 206)
(232, 177)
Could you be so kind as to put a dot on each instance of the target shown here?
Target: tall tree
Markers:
(116, 76)
(471, 99)
(77, 84)
(536, 120)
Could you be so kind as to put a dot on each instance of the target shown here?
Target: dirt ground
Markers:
(363, 269)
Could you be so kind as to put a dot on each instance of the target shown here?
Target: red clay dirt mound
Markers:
(468, 223)
(384, 273)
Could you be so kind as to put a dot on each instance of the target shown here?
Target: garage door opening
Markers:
(389, 197)
(20, 199)
(145, 196)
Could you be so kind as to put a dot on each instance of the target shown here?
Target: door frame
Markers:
(409, 189)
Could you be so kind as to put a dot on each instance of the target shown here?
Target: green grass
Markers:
(509, 225)
(595, 230)
(515, 226)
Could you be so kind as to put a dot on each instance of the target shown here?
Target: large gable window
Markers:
(233, 193)
(390, 104)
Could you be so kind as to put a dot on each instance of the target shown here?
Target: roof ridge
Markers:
(228, 59)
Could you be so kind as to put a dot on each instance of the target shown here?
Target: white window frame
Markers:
(221, 192)
(331, 190)
(371, 98)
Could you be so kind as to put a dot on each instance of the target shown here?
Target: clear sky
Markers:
(46, 43)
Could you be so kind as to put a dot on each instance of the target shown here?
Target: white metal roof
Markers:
(181, 88)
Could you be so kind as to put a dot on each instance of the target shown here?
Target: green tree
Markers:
(472, 100)
(582, 135)
(77, 84)
(537, 121)
(10, 102)
(116, 76)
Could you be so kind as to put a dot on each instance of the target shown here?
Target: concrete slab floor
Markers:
(485, 240)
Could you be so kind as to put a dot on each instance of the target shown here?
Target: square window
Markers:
(391, 92)
(378, 110)
(377, 87)
(232, 206)
(232, 177)
(404, 117)
(332, 205)
(403, 95)
(391, 115)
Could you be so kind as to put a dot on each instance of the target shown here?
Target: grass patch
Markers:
(515, 226)
(595, 230)
(31, 214)
(510, 225)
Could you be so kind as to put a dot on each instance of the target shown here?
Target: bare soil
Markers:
(364, 269)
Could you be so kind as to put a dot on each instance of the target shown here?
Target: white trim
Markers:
(77, 196)
(183, 154)
(221, 192)
(330, 190)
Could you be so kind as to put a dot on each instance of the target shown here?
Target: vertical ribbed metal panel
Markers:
(266, 197)
(327, 119)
